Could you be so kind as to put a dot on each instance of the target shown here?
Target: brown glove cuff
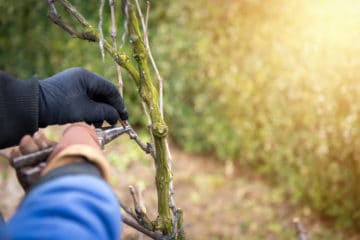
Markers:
(71, 154)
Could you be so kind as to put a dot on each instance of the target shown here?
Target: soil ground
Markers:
(219, 201)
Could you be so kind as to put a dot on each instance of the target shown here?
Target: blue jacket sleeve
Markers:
(68, 207)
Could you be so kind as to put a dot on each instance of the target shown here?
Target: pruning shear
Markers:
(30, 165)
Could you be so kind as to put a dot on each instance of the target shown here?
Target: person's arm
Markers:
(75, 204)
(71, 200)
(19, 108)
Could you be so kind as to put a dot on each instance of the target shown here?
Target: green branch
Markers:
(150, 96)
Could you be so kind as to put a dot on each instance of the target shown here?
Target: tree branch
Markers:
(300, 229)
(70, 9)
(101, 34)
(53, 15)
(135, 225)
(141, 216)
(144, 25)
(147, 13)
(159, 128)
(91, 34)
(114, 36)
(126, 29)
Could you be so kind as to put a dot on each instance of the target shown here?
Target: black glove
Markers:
(76, 95)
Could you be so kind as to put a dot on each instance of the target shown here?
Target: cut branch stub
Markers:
(141, 216)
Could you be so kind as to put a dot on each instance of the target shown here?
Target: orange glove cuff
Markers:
(79, 140)
(72, 153)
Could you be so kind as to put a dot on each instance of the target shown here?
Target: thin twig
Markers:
(54, 16)
(147, 13)
(300, 229)
(133, 224)
(127, 210)
(114, 36)
(136, 203)
(70, 9)
(171, 187)
(142, 20)
(126, 22)
(180, 224)
(101, 40)
(113, 22)
(141, 216)
(136, 224)
(153, 63)
(141, 198)
(149, 124)
(52, 6)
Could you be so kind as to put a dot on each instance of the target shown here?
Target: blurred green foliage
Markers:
(271, 84)
(274, 85)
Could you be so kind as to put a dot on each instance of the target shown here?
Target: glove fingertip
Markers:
(98, 124)
(110, 114)
(124, 115)
(112, 118)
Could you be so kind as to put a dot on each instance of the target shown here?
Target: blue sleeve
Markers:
(2, 227)
(68, 207)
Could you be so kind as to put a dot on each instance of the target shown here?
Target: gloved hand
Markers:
(76, 95)
(75, 134)
(28, 145)
(79, 141)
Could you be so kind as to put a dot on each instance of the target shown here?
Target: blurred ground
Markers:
(219, 202)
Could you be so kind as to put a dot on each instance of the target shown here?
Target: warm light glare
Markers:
(323, 38)
(334, 22)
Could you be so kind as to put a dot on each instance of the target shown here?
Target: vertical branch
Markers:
(126, 29)
(144, 24)
(171, 184)
(142, 20)
(113, 36)
(143, 105)
(159, 128)
(147, 45)
(148, 122)
(147, 13)
(101, 40)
